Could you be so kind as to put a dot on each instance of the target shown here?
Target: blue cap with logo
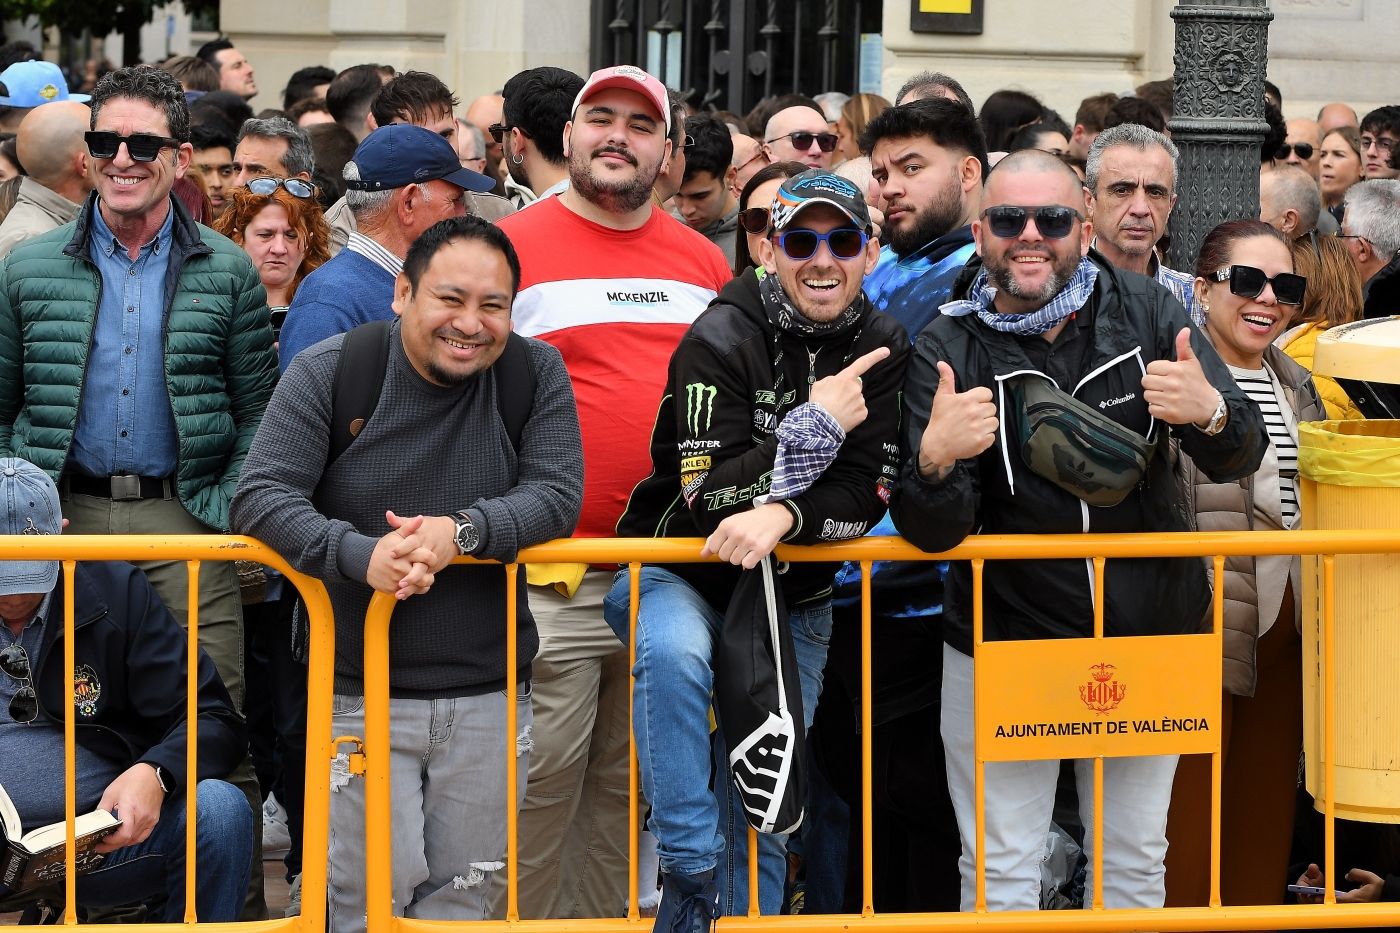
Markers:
(30, 84)
(28, 506)
(818, 186)
(403, 154)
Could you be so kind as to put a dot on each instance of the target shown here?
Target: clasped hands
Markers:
(405, 561)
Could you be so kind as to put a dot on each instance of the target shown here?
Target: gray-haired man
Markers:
(274, 147)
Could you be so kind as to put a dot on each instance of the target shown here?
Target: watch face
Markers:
(467, 536)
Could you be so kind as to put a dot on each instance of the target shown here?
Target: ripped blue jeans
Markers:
(448, 793)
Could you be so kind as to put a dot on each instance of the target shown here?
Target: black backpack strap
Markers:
(359, 378)
(515, 387)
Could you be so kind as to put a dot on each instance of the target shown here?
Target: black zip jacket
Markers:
(1100, 358)
(714, 443)
(131, 653)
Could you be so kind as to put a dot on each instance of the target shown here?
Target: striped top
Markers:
(1257, 384)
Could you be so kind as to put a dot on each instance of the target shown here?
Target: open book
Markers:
(36, 858)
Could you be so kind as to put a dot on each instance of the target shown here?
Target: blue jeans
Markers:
(696, 815)
(155, 868)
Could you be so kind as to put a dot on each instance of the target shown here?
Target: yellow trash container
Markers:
(1349, 475)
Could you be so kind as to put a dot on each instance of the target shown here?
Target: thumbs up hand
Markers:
(841, 394)
(960, 426)
(1177, 391)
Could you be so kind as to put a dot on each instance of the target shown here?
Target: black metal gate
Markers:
(730, 54)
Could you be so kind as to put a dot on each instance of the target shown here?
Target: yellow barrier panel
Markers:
(1132, 658)
(70, 549)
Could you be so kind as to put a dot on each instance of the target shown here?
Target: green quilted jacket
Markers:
(219, 362)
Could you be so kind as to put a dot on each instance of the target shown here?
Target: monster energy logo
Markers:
(699, 403)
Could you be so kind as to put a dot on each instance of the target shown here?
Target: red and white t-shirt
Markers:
(615, 303)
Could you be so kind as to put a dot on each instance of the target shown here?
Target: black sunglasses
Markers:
(498, 131)
(24, 706)
(754, 220)
(1249, 282)
(1304, 150)
(294, 186)
(1053, 221)
(844, 243)
(802, 140)
(142, 147)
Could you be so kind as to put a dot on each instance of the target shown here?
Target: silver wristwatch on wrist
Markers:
(1217, 420)
(468, 536)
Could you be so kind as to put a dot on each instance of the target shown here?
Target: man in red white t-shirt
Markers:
(613, 281)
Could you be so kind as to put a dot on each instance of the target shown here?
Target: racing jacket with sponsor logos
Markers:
(730, 383)
(1100, 358)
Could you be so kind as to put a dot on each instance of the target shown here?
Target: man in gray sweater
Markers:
(436, 448)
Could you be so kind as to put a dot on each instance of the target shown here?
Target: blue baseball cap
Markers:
(818, 186)
(28, 506)
(404, 154)
(33, 83)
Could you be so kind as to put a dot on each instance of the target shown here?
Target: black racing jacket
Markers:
(730, 382)
(130, 655)
(1100, 358)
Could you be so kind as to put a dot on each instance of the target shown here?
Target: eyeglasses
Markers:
(760, 154)
(498, 131)
(24, 706)
(293, 186)
(845, 243)
(142, 147)
(1054, 221)
(687, 141)
(1382, 143)
(754, 220)
(1304, 150)
(802, 141)
(1249, 282)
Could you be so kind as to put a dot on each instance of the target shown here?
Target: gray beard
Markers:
(1060, 274)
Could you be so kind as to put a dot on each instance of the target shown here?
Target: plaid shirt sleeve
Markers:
(808, 441)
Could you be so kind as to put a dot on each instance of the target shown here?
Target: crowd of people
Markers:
(379, 335)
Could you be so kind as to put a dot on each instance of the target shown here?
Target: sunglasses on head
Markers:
(294, 186)
(1053, 221)
(754, 220)
(142, 147)
(1249, 282)
(24, 705)
(1304, 150)
(845, 243)
(802, 140)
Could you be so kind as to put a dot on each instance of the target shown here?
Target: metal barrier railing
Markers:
(195, 549)
(988, 658)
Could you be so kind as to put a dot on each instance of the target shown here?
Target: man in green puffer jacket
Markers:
(136, 358)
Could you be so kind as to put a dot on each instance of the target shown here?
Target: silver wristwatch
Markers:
(1217, 421)
(468, 535)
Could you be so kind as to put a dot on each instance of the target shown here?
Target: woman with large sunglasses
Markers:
(754, 202)
(279, 224)
(1248, 291)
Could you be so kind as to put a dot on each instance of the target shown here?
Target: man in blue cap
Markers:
(402, 179)
(27, 85)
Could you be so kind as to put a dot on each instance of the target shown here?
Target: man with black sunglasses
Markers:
(129, 665)
(778, 424)
(138, 360)
(1303, 145)
(799, 134)
(1043, 313)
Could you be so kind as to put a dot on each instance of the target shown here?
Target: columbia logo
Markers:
(1110, 402)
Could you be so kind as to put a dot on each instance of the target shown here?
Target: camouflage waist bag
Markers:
(1075, 447)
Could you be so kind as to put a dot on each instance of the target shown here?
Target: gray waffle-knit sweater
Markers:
(427, 450)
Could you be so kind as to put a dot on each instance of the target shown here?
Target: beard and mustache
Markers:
(620, 196)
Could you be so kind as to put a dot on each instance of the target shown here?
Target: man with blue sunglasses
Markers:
(778, 424)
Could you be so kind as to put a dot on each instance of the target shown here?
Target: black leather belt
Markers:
(123, 488)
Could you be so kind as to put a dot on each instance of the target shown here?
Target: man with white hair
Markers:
(1371, 228)
(1289, 201)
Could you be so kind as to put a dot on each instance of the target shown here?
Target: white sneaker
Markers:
(276, 839)
(294, 898)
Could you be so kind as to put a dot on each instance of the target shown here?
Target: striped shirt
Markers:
(1257, 384)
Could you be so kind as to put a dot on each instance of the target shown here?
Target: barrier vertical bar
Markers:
(191, 733)
(867, 793)
(634, 587)
(753, 870)
(1098, 759)
(512, 749)
(319, 712)
(70, 768)
(1329, 734)
(1217, 764)
(979, 790)
(378, 835)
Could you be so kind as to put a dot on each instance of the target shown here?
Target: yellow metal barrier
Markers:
(195, 549)
(978, 550)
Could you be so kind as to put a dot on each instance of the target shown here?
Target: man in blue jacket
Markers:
(129, 681)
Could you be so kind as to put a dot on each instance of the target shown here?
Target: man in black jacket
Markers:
(1042, 305)
(129, 682)
(779, 423)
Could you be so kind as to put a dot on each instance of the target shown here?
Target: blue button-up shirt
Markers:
(125, 421)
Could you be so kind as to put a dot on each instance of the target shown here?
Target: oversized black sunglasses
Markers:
(844, 243)
(802, 140)
(1054, 221)
(293, 186)
(754, 220)
(142, 147)
(1249, 282)
(1304, 150)
(24, 706)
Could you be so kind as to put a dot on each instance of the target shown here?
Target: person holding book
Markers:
(129, 682)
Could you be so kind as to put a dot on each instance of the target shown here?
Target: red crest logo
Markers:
(1102, 693)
